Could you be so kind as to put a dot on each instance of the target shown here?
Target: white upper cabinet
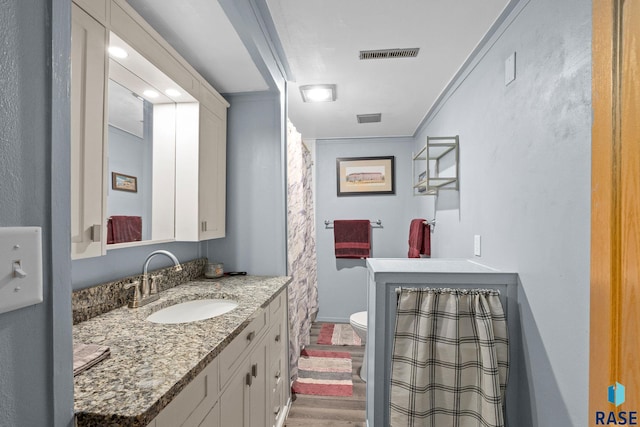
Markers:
(152, 158)
(200, 208)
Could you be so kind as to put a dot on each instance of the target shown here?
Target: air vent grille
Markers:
(389, 53)
(369, 118)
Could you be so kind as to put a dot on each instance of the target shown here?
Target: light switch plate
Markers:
(20, 267)
(476, 245)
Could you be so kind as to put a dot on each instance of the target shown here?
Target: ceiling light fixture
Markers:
(150, 93)
(172, 92)
(318, 93)
(117, 52)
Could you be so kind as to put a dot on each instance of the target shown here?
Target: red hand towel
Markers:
(352, 238)
(121, 229)
(419, 238)
(426, 240)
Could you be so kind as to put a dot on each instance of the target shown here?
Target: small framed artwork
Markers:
(122, 182)
(361, 176)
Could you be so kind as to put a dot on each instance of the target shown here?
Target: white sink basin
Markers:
(192, 311)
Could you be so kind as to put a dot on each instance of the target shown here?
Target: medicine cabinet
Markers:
(435, 166)
(148, 136)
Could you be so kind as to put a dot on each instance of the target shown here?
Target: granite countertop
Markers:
(151, 363)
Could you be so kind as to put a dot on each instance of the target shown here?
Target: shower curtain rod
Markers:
(445, 290)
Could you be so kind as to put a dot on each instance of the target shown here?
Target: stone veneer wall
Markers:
(302, 260)
(99, 299)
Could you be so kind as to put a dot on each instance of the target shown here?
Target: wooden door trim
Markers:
(615, 209)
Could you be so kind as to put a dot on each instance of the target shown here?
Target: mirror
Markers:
(142, 112)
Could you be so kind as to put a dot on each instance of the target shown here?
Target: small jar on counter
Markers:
(213, 270)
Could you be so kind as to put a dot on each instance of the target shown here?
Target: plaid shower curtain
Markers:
(450, 359)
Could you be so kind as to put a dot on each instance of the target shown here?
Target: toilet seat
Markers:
(359, 319)
(358, 322)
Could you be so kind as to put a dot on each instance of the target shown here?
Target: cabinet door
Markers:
(212, 419)
(258, 390)
(88, 82)
(212, 174)
(234, 406)
(243, 403)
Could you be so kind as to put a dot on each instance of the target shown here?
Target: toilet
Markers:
(359, 324)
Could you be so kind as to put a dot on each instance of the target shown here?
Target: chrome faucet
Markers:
(148, 290)
(152, 290)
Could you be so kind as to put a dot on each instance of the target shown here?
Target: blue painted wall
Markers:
(525, 188)
(342, 283)
(36, 383)
(256, 218)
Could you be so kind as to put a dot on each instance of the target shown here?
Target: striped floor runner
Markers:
(324, 373)
(338, 334)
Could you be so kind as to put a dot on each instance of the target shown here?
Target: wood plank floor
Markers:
(323, 411)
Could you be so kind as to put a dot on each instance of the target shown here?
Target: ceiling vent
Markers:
(389, 53)
(370, 118)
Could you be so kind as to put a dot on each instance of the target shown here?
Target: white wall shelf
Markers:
(435, 166)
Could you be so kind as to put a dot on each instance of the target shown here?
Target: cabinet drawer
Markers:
(233, 354)
(276, 305)
(277, 404)
(193, 403)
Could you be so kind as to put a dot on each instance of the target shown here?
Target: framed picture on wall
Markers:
(122, 182)
(361, 176)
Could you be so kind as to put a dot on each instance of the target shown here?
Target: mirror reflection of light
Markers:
(150, 93)
(172, 92)
(117, 52)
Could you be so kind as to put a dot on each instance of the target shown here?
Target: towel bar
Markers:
(377, 223)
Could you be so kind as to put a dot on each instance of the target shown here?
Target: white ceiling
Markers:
(322, 40)
(204, 36)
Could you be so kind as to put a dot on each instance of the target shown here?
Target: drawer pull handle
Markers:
(251, 336)
(254, 370)
(278, 375)
(278, 338)
(249, 380)
(276, 411)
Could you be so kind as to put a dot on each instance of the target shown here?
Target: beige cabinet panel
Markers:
(99, 9)
(212, 179)
(88, 82)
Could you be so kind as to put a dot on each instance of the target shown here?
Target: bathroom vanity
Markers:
(385, 275)
(229, 370)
